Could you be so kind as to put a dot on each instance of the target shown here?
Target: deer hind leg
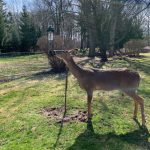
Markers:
(138, 100)
(89, 101)
(135, 109)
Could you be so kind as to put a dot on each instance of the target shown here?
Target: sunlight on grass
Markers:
(24, 127)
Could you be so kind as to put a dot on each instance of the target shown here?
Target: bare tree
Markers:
(109, 22)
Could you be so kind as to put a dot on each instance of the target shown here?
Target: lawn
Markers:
(28, 88)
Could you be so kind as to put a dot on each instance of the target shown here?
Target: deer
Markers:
(91, 79)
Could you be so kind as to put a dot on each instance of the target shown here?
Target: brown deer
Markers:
(116, 79)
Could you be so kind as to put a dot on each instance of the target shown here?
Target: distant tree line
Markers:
(103, 24)
(108, 24)
(18, 32)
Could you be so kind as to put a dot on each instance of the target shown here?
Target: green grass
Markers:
(12, 67)
(24, 127)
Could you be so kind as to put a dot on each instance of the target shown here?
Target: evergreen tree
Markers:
(11, 41)
(2, 23)
(28, 31)
(13, 38)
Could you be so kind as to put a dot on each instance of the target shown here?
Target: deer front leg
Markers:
(89, 101)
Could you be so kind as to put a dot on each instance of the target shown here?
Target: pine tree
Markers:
(28, 31)
(2, 23)
(13, 38)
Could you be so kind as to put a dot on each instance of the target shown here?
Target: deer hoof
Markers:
(90, 117)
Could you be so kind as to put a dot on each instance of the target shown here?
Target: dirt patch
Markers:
(57, 115)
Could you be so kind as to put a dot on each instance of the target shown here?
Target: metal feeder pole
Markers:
(66, 87)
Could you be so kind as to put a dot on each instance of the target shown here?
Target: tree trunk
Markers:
(115, 10)
(92, 44)
(91, 52)
(58, 29)
(82, 39)
(103, 55)
(81, 46)
(112, 36)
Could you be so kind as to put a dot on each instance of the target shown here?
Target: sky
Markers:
(16, 5)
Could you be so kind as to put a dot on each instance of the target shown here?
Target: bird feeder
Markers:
(50, 33)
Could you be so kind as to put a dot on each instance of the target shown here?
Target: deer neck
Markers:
(74, 68)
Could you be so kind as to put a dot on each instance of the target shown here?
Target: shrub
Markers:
(133, 47)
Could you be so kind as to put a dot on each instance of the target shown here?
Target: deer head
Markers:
(64, 55)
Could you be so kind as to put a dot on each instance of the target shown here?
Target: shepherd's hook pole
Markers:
(66, 87)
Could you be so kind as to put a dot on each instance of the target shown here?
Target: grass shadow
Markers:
(97, 65)
(139, 56)
(12, 78)
(46, 74)
(50, 72)
(60, 131)
(59, 76)
(35, 76)
(90, 140)
(83, 62)
(138, 65)
(91, 61)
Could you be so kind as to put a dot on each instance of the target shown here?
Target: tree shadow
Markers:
(139, 56)
(138, 65)
(104, 106)
(35, 76)
(89, 140)
(49, 72)
(12, 78)
(83, 62)
(46, 74)
(97, 64)
(94, 63)
(60, 76)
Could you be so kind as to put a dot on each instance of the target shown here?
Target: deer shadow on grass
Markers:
(90, 140)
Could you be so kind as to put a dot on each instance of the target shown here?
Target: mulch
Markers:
(57, 114)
